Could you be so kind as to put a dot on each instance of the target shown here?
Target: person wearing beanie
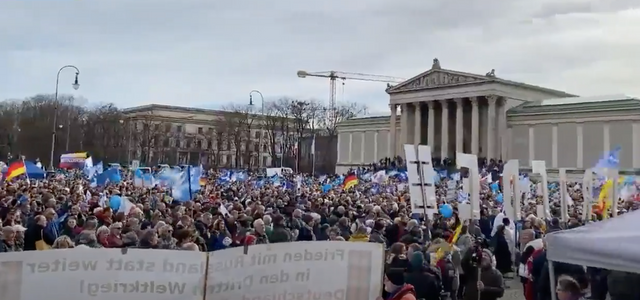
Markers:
(490, 283)
(395, 286)
(419, 276)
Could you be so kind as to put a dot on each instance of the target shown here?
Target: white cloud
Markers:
(209, 53)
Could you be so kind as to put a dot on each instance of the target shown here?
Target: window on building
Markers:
(199, 144)
(257, 135)
(264, 161)
(200, 130)
(209, 144)
(179, 128)
(165, 142)
(256, 147)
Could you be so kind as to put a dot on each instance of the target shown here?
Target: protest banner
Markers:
(73, 160)
(272, 271)
(470, 161)
(420, 174)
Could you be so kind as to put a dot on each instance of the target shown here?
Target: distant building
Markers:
(181, 135)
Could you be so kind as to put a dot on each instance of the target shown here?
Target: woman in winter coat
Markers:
(501, 251)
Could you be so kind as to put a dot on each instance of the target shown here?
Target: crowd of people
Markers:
(439, 258)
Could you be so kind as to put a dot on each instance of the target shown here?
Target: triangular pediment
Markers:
(438, 78)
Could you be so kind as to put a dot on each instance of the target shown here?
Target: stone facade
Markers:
(191, 137)
(451, 111)
(575, 132)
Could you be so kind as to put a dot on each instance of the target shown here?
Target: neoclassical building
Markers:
(575, 132)
(455, 111)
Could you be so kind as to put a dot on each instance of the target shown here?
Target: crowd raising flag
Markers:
(350, 181)
(16, 169)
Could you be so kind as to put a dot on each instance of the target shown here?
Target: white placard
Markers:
(135, 164)
(420, 175)
(540, 211)
(282, 271)
(540, 167)
(470, 161)
(564, 202)
(587, 194)
(511, 189)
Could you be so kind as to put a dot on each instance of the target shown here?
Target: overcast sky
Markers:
(208, 53)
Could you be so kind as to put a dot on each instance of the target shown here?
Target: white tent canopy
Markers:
(612, 244)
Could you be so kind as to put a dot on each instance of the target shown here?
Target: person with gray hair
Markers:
(88, 238)
(190, 247)
(91, 224)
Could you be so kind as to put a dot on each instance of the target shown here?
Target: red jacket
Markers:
(529, 290)
(407, 292)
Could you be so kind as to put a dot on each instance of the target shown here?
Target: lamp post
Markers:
(75, 86)
(261, 123)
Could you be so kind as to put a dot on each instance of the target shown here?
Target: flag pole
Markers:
(25, 169)
(313, 155)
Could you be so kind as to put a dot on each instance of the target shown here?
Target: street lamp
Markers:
(75, 86)
(261, 123)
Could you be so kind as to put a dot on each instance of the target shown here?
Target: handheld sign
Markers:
(587, 194)
(420, 174)
(540, 167)
(564, 205)
(470, 161)
(511, 186)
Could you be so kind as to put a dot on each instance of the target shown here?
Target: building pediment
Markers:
(438, 78)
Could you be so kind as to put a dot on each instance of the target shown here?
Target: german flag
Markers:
(16, 169)
(349, 182)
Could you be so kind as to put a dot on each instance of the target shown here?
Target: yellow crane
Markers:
(333, 75)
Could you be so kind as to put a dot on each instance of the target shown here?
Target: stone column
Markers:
(417, 124)
(475, 124)
(444, 147)
(392, 131)
(375, 147)
(350, 147)
(579, 149)
(504, 137)
(364, 135)
(431, 127)
(337, 154)
(459, 126)
(491, 126)
(404, 125)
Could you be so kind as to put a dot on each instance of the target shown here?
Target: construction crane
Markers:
(333, 75)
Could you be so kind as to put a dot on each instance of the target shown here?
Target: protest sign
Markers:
(511, 187)
(540, 167)
(470, 161)
(420, 174)
(271, 271)
(564, 202)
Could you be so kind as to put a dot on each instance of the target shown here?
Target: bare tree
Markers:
(26, 128)
(239, 121)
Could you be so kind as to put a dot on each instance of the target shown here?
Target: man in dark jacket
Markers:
(37, 232)
(280, 233)
(424, 283)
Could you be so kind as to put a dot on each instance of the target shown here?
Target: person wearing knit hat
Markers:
(396, 287)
